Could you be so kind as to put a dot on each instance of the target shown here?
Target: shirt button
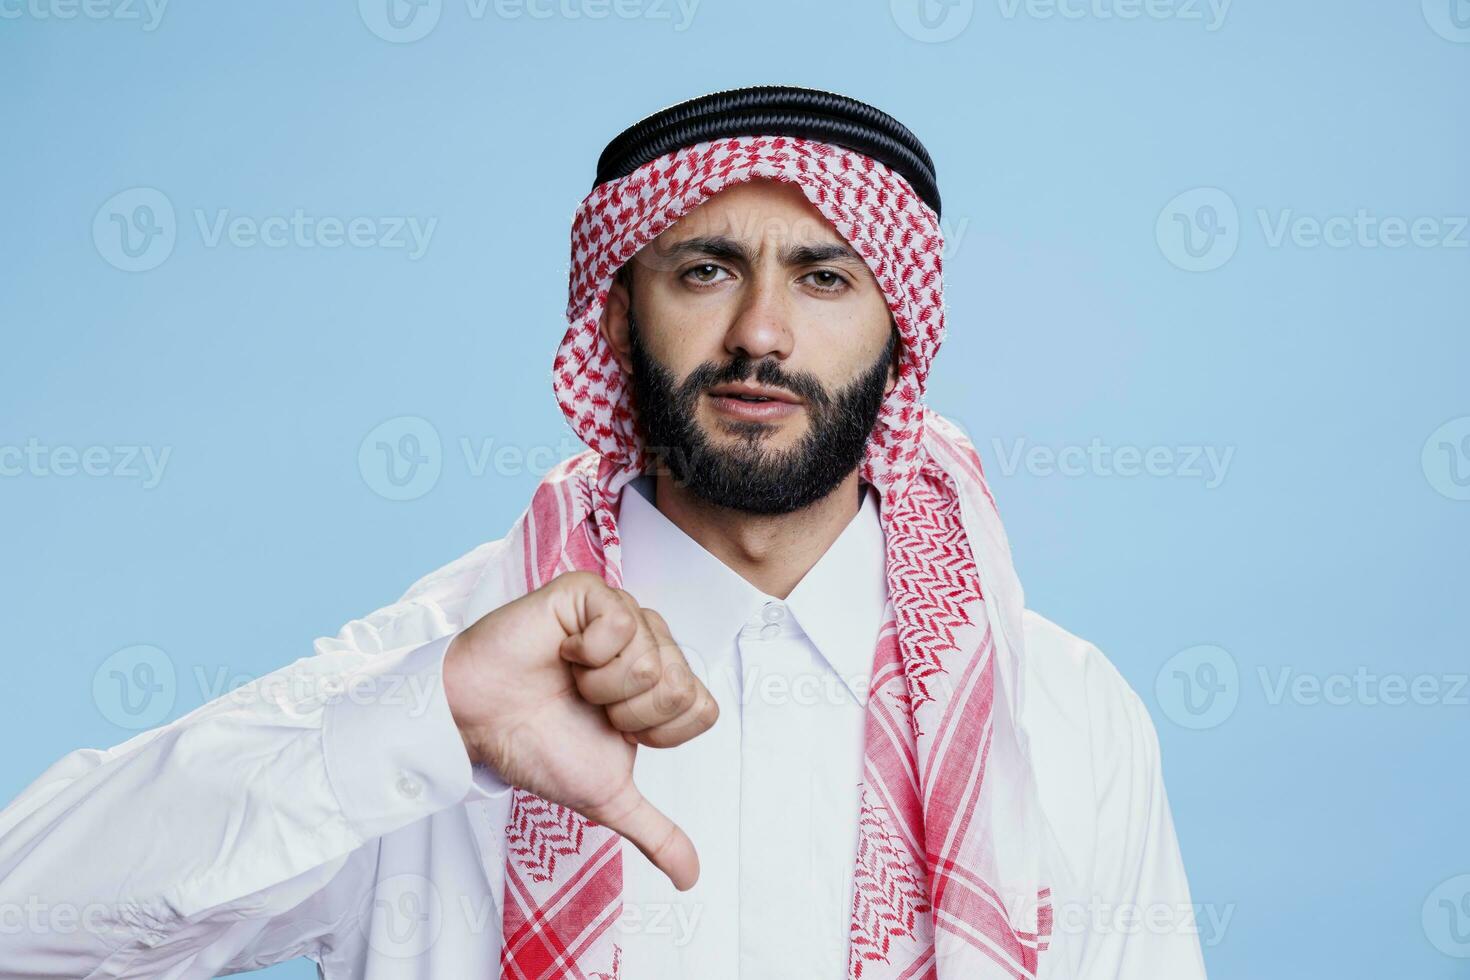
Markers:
(770, 631)
(773, 612)
(409, 787)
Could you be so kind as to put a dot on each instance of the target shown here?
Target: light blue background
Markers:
(1320, 829)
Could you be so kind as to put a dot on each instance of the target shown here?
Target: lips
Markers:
(754, 403)
(754, 394)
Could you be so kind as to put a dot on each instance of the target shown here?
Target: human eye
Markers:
(704, 274)
(827, 281)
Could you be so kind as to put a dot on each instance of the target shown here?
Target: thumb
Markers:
(659, 838)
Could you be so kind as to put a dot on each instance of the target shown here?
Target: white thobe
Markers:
(328, 810)
(770, 794)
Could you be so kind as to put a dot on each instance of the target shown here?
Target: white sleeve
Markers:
(1143, 925)
(237, 836)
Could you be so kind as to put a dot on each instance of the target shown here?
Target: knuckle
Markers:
(684, 678)
(709, 713)
(644, 673)
(621, 621)
(667, 701)
(682, 695)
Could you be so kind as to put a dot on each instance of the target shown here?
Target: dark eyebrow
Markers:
(813, 254)
(728, 249)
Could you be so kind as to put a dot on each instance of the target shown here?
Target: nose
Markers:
(761, 326)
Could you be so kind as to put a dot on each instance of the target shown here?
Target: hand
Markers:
(556, 690)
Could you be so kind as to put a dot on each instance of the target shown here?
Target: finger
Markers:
(637, 669)
(659, 626)
(676, 692)
(629, 674)
(601, 627)
(659, 838)
(662, 707)
(699, 719)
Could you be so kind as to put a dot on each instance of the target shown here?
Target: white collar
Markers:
(839, 603)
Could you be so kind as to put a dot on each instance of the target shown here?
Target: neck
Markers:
(771, 552)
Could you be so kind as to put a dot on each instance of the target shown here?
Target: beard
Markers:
(747, 476)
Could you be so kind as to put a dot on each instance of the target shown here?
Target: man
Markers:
(749, 691)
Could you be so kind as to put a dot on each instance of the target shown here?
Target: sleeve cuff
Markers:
(485, 784)
(393, 752)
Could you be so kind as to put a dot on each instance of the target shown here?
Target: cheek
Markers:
(675, 351)
(681, 340)
(850, 348)
(682, 354)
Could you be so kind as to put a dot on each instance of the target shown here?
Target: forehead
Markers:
(754, 211)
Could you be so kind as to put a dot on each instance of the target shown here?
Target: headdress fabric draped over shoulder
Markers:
(950, 874)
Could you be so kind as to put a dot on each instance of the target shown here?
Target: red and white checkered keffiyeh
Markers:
(948, 880)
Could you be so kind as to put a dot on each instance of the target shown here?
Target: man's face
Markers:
(760, 349)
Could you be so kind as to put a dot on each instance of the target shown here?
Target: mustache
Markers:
(764, 371)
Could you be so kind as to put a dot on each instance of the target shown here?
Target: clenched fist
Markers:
(556, 690)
